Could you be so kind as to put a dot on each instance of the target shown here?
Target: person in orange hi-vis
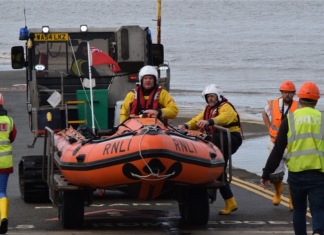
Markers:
(301, 135)
(275, 111)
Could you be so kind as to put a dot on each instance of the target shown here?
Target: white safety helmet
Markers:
(147, 70)
(212, 89)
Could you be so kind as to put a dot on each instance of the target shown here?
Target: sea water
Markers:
(248, 48)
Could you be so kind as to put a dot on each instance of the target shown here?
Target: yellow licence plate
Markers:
(51, 37)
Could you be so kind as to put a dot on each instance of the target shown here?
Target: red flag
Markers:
(99, 57)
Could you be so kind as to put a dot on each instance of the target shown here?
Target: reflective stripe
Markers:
(5, 142)
(11, 121)
(322, 127)
(77, 67)
(305, 152)
(319, 136)
(272, 118)
(5, 153)
(304, 136)
(292, 123)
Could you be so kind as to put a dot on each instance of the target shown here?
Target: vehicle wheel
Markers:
(59, 208)
(181, 210)
(71, 211)
(196, 207)
(31, 185)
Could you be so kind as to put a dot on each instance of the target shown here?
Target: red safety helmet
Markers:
(1, 99)
(309, 90)
(287, 86)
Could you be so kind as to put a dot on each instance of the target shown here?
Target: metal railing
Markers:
(229, 146)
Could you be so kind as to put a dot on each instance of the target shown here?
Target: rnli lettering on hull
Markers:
(118, 146)
(182, 145)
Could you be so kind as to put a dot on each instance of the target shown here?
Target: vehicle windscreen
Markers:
(71, 57)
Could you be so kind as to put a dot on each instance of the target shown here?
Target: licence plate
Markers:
(51, 37)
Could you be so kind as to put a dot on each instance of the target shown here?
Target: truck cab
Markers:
(58, 97)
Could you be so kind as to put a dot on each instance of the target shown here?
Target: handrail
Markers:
(48, 158)
(229, 145)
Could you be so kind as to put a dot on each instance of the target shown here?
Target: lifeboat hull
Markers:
(144, 159)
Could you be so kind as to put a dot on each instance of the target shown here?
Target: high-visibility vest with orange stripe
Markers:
(276, 116)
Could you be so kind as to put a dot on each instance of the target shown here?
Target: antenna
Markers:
(25, 14)
(23, 33)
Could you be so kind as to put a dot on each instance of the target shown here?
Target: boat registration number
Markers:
(51, 37)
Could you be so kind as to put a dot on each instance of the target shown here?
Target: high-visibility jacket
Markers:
(276, 116)
(6, 126)
(77, 67)
(305, 135)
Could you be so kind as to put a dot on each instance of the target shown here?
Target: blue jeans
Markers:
(3, 185)
(303, 185)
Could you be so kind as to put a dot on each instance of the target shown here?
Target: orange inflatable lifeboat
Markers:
(144, 158)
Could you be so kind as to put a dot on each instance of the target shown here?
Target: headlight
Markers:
(83, 28)
(45, 29)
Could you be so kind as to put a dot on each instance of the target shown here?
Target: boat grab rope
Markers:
(159, 177)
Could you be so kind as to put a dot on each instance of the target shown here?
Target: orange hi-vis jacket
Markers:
(276, 116)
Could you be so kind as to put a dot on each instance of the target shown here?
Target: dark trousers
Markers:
(236, 141)
(307, 185)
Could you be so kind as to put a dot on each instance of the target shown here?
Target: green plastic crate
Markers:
(100, 107)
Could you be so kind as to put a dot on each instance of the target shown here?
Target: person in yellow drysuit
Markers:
(222, 113)
(148, 98)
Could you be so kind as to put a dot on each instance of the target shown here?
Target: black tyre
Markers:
(31, 185)
(71, 211)
(196, 207)
(181, 210)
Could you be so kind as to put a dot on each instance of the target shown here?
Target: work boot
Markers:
(291, 207)
(277, 196)
(229, 207)
(4, 204)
